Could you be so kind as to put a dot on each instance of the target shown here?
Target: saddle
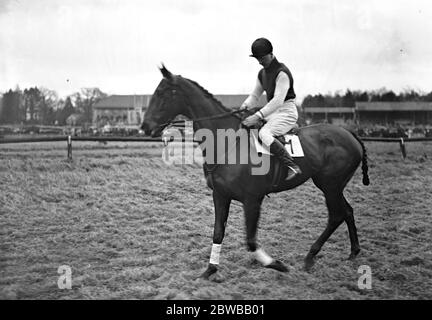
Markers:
(279, 172)
(294, 131)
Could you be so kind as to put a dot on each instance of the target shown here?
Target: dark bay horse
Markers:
(331, 156)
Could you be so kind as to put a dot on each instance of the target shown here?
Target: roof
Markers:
(132, 101)
(394, 106)
(124, 101)
(328, 110)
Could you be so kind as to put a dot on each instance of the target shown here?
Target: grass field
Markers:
(132, 227)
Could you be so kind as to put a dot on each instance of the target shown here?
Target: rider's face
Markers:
(265, 60)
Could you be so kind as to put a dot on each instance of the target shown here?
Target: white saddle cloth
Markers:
(293, 145)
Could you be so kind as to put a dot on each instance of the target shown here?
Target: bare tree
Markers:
(85, 100)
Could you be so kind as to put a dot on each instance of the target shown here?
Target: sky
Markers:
(117, 46)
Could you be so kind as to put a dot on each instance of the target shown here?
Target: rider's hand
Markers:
(251, 120)
(244, 107)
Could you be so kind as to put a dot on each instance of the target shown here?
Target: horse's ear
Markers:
(165, 72)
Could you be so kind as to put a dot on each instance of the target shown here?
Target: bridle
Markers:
(217, 116)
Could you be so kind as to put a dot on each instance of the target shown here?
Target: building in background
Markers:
(394, 113)
(403, 113)
(120, 110)
(336, 115)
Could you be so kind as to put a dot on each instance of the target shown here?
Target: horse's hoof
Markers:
(211, 269)
(353, 254)
(308, 264)
(277, 265)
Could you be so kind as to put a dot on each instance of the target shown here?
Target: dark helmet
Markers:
(261, 47)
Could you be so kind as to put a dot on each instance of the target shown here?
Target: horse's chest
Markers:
(209, 181)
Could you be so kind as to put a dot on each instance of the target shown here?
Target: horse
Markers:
(332, 154)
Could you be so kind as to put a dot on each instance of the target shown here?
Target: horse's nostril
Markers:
(146, 129)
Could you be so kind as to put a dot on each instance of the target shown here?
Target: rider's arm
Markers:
(252, 100)
(281, 90)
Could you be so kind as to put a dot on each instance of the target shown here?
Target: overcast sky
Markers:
(329, 45)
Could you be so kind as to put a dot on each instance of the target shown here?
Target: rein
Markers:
(218, 116)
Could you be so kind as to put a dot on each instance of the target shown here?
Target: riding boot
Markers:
(282, 154)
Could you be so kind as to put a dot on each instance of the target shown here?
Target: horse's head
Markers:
(165, 104)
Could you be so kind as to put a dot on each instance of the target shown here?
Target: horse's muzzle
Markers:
(149, 131)
(156, 132)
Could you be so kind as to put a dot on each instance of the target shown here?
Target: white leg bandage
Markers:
(215, 252)
(263, 257)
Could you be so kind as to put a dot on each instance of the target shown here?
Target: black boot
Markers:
(280, 152)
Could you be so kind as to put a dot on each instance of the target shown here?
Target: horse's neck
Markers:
(207, 107)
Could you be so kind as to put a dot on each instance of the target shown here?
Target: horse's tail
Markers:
(364, 167)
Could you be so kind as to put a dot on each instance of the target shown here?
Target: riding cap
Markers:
(261, 47)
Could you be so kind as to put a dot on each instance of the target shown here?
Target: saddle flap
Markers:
(291, 142)
(293, 145)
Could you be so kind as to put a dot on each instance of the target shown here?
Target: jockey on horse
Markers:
(280, 113)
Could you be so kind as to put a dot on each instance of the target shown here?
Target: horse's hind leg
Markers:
(352, 230)
(337, 214)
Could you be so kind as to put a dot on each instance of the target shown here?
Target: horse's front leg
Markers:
(221, 204)
(252, 211)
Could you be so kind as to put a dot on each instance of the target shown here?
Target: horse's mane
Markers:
(208, 95)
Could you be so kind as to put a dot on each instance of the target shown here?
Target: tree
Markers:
(10, 112)
(65, 112)
(348, 100)
(361, 96)
(389, 96)
(328, 101)
(48, 103)
(307, 102)
(33, 105)
(428, 97)
(409, 95)
(320, 101)
(85, 101)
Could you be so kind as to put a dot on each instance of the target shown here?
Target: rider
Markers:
(280, 112)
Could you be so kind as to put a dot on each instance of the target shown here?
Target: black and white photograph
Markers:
(215, 155)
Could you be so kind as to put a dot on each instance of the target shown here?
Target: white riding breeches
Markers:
(279, 122)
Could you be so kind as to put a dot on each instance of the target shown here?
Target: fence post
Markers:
(69, 147)
(402, 147)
